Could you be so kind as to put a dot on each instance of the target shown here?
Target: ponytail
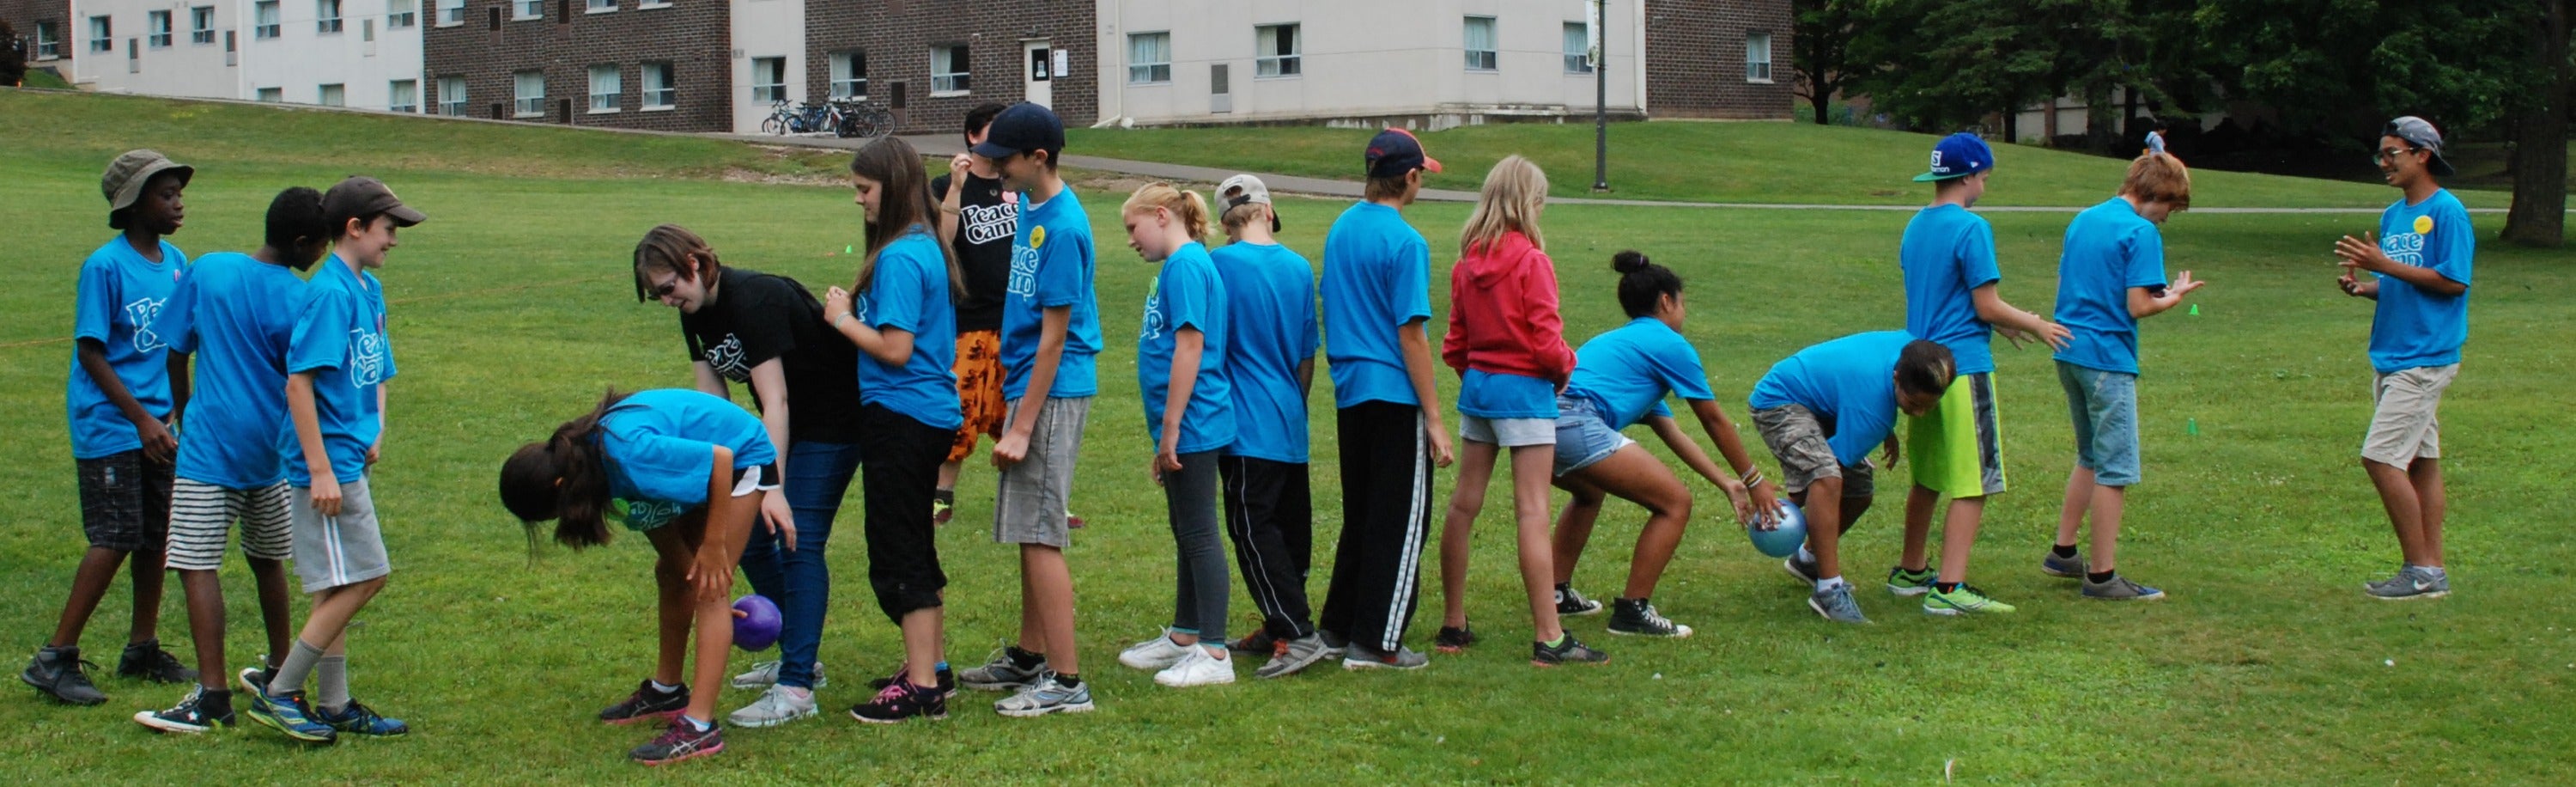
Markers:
(1188, 205)
(564, 479)
(1642, 282)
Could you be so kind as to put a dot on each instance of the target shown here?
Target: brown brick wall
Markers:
(22, 15)
(896, 36)
(1695, 59)
(695, 36)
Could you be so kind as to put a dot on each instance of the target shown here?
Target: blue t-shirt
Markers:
(1377, 278)
(120, 294)
(2412, 328)
(1626, 372)
(1486, 394)
(910, 293)
(2109, 249)
(1947, 254)
(1187, 294)
(1051, 266)
(237, 315)
(660, 449)
(340, 337)
(1269, 330)
(1849, 383)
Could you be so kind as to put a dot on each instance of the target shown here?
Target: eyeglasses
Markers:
(663, 290)
(2386, 154)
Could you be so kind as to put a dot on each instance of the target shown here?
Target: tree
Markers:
(2539, 213)
(13, 56)
(1822, 53)
(1950, 63)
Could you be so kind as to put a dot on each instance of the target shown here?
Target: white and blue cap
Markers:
(1957, 156)
(2421, 135)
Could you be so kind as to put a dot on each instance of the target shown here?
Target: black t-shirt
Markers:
(755, 317)
(986, 218)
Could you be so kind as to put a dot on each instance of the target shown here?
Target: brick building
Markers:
(649, 64)
(1691, 67)
(931, 60)
(46, 26)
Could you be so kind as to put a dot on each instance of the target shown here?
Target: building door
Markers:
(1037, 70)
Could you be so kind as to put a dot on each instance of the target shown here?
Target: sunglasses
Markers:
(664, 289)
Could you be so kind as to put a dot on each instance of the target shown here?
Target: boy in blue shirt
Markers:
(1820, 411)
(2418, 268)
(2111, 274)
(236, 314)
(337, 363)
(120, 400)
(1950, 274)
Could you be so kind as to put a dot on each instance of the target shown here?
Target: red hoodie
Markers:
(1502, 313)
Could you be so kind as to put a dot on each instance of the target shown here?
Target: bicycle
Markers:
(859, 118)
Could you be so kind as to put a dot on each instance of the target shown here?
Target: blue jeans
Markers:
(2104, 408)
(816, 476)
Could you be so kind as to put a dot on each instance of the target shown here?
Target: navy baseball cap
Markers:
(1957, 156)
(2421, 134)
(1394, 152)
(1022, 127)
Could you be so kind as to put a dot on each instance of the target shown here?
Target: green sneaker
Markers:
(1903, 582)
(1966, 600)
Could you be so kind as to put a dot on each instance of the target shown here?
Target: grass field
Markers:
(512, 310)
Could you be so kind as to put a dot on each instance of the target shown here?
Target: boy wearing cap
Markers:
(979, 216)
(1050, 331)
(337, 362)
(1270, 358)
(2418, 268)
(120, 400)
(1950, 274)
(1377, 302)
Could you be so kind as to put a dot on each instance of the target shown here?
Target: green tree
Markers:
(2539, 213)
(1823, 49)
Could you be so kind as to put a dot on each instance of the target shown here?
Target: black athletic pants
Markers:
(1269, 510)
(1386, 514)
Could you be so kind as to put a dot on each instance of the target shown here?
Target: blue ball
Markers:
(1784, 540)
(757, 629)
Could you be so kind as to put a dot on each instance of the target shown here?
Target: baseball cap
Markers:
(1246, 190)
(1394, 152)
(365, 196)
(125, 177)
(1957, 156)
(1022, 127)
(2421, 134)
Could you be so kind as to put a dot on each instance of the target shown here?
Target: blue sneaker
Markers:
(358, 719)
(288, 713)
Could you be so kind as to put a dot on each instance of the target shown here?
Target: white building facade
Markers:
(353, 53)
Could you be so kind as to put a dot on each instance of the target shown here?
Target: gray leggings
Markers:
(1198, 603)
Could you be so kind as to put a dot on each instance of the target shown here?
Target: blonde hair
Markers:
(2159, 177)
(1236, 217)
(1514, 191)
(1188, 205)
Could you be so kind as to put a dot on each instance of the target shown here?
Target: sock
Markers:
(1024, 659)
(1805, 556)
(1829, 583)
(695, 724)
(2063, 550)
(663, 688)
(1069, 681)
(1559, 642)
(2435, 572)
(2099, 577)
(1560, 592)
(1945, 587)
(331, 683)
(947, 496)
(943, 667)
(299, 665)
(214, 703)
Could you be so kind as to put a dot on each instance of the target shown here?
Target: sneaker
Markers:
(189, 716)
(2119, 588)
(1360, 657)
(288, 714)
(941, 511)
(1046, 694)
(2409, 583)
(1804, 570)
(1905, 582)
(779, 705)
(765, 674)
(1294, 655)
(647, 703)
(1453, 639)
(1570, 602)
(1836, 604)
(1198, 668)
(1258, 643)
(1335, 645)
(358, 719)
(1638, 617)
(1569, 651)
(148, 661)
(682, 741)
(1966, 600)
(944, 676)
(1001, 674)
(1154, 654)
(900, 700)
(63, 675)
(2070, 566)
(255, 680)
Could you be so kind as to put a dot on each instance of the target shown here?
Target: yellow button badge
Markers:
(2423, 225)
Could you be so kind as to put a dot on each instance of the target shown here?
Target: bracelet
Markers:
(1753, 479)
(836, 321)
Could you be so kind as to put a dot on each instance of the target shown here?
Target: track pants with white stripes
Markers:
(1269, 511)
(1386, 516)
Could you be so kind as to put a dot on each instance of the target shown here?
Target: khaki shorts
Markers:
(2404, 427)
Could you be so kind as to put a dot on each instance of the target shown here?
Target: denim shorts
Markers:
(1582, 437)
(2104, 407)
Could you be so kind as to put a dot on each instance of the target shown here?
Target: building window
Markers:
(949, 68)
(266, 14)
(272, 95)
(1480, 43)
(849, 75)
(49, 41)
(601, 6)
(326, 16)
(1757, 57)
(1578, 48)
(102, 35)
(1274, 49)
(201, 24)
(451, 96)
(333, 95)
(530, 9)
(605, 84)
(530, 90)
(451, 12)
(1149, 58)
(768, 79)
(403, 95)
(652, 3)
(157, 25)
(660, 90)
(401, 14)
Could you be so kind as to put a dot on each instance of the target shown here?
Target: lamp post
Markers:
(1601, 95)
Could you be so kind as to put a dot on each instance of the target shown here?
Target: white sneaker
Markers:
(1156, 653)
(779, 705)
(1197, 668)
(765, 674)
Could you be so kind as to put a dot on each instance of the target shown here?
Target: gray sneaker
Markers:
(1360, 657)
(1302, 652)
(61, 674)
(2410, 583)
(779, 705)
(1804, 570)
(1335, 645)
(2071, 566)
(1837, 605)
(765, 674)
(2119, 588)
(1045, 694)
(1001, 674)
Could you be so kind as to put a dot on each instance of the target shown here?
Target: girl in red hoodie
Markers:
(1508, 345)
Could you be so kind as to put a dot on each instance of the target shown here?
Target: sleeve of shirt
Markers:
(1977, 267)
(1187, 290)
(1060, 268)
(177, 322)
(1314, 332)
(1552, 354)
(760, 319)
(894, 299)
(663, 468)
(321, 336)
(2454, 242)
(1413, 281)
(2146, 259)
(94, 305)
(1680, 368)
(385, 341)
(1453, 344)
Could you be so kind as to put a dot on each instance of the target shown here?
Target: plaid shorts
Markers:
(125, 502)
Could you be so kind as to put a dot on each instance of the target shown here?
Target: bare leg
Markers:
(89, 585)
(714, 615)
(1032, 628)
(276, 612)
(1638, 477)
(148, 577)
(1475, 472)
(1822, 501)
(948, 475)
(2079, 496)
(1958, 534)
(1050, 584)
(2427, 475)
(1531, 466)
(2107, 502)
(2405, 509)
(1919, 504)
(204, 594)
(922, 637)
(333, 608)
(1574, 525)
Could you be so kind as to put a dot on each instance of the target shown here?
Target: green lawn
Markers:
(512, 310)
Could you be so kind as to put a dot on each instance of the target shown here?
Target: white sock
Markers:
(1805, 556)
(663, 688)
(2435, 572)
(1829, 583)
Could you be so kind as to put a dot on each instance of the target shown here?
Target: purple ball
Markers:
(757, 629)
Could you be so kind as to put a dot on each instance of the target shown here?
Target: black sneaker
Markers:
(63, 675)
(1453, 639)
(1571, 651)
(901, 700)
(682, 741)
(195, 714)
(1638, 617)
(647, 703)
(1570, 602)
(255, 680)
(1258, 643)
(358, 719)
(148, 661)
(946, 678)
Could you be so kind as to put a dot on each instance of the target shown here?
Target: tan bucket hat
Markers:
(123, 183)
